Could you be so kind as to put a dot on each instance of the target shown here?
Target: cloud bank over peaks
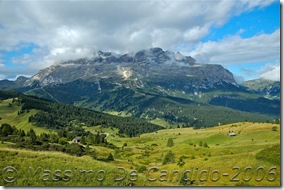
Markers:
(237, 50)
(63, 30)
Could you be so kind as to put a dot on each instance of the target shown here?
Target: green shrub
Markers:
(110, 157)
(75, 149)
(170, 142)
(206, 145)
(141, 169)
(169, 158)
(180, 161)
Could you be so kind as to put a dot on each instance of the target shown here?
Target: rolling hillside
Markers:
(50, 115)
(37, 141)
(172, 111)
(251, 158)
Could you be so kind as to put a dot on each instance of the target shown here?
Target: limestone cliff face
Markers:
(146, 68)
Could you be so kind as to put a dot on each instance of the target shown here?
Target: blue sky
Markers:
(243, 36)
(19, 52)
(258, 21)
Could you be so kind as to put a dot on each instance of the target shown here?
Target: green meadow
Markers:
(168, 157)
(10, 115)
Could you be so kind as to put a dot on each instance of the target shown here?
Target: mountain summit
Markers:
(152, 67)
(152, 84)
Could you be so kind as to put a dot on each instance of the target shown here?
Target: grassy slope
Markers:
(224, 153)
(39, 169)
(259, 84)
(10, 115)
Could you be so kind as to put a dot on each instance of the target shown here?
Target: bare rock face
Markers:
(152, 84)
(153, 67)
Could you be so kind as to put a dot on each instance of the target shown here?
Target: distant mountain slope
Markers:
(7, 84)
(142, 83)
(267, 88)
(150, 106)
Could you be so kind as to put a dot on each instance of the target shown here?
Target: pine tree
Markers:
(83, 140)
(91, 139)
(110, 157)
(33, 136)
(22, 133)
(180, 161)
(97, 138)
(6, 130)
(169, 158)
(205, 145)
(170, 142)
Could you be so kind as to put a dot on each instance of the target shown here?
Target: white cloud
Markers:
(256, 3)
(1, 60)
(196, 33)
(237, 50)
(71, 29)
(172, 35)
(271, 72)
(2, 77)
(239, 79)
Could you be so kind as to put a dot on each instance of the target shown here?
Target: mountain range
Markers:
(163, 87)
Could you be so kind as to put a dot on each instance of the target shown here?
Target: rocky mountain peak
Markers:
(139, 80)
(137, 69)
(21, 79)
(179, 56)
